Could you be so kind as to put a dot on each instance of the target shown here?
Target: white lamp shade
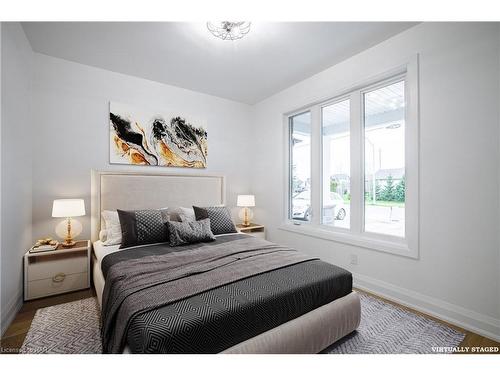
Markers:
(68, 208)
(246, 201)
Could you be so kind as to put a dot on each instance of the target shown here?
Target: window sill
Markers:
(366, 242)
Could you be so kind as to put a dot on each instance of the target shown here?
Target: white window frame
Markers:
(336, 100)
(289, 161)
(355, 235)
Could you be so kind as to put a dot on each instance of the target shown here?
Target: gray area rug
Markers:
(385, 329)
(69, 328)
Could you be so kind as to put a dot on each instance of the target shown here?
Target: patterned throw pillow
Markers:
(142, 227)
(220, 219)
(182, 233)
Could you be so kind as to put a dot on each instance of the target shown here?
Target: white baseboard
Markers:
(470, 320)
(10, 310)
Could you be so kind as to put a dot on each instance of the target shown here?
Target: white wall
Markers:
(16, 164)
(457, 275)
(71, 131)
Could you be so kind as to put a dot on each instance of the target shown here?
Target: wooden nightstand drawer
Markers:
(45, 268)
(58, 284)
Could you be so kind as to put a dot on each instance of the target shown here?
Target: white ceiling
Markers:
(272, 57)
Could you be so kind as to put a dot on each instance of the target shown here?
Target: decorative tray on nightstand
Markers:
(43, 248)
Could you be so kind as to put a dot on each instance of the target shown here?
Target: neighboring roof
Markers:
(340, 177)
(396, 173)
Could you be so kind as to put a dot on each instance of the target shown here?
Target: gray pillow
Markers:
(180, 214)
(182, 233)
(220, 218)
(142, 227)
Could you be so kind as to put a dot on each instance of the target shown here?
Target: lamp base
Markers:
(67, 244)
(68, 241)
(246, 216)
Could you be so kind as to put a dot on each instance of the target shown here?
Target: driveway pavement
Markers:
(379, 219)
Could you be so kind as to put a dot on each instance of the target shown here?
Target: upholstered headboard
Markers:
(133, 191)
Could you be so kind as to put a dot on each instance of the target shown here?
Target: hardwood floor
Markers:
(15, 334)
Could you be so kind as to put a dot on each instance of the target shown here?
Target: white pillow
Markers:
(103, 235)
(113, 230)
(186, 214)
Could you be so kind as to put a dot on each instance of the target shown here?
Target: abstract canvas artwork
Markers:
(146, 137)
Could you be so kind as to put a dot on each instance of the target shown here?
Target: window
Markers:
(300, 167)
(354, 161)
(384, 133)
(336, 192)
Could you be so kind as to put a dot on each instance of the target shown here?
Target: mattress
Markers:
(217, 319)
(100, 251)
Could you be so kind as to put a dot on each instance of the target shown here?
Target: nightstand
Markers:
(253, 229)
(57, 271)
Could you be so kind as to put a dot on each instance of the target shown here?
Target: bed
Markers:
(267, 299)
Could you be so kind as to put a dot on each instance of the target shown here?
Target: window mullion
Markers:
(357, 167)
(316, 164)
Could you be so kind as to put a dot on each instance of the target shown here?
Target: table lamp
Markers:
(68, 208)
(246, 213)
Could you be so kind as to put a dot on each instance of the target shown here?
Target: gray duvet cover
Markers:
(150, 291)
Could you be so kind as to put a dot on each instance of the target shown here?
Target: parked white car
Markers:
(333, 209)
(301, 206)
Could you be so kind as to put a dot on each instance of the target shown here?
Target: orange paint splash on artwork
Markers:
(175, 160)
(137, 158)
(120, 145)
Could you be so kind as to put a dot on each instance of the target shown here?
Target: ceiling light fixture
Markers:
(227, 30)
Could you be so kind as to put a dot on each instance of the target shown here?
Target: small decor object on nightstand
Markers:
(44, 244)
(68, 208)
(246, 213)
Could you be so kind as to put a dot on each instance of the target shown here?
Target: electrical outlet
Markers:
(354, 259)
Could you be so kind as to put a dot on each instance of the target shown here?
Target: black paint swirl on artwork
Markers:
(159, 128)
(180, 133)
(186, 133)
(124, 131)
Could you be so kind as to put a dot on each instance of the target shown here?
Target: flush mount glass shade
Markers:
(68, 208)
(246, 201)
(227, 30)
